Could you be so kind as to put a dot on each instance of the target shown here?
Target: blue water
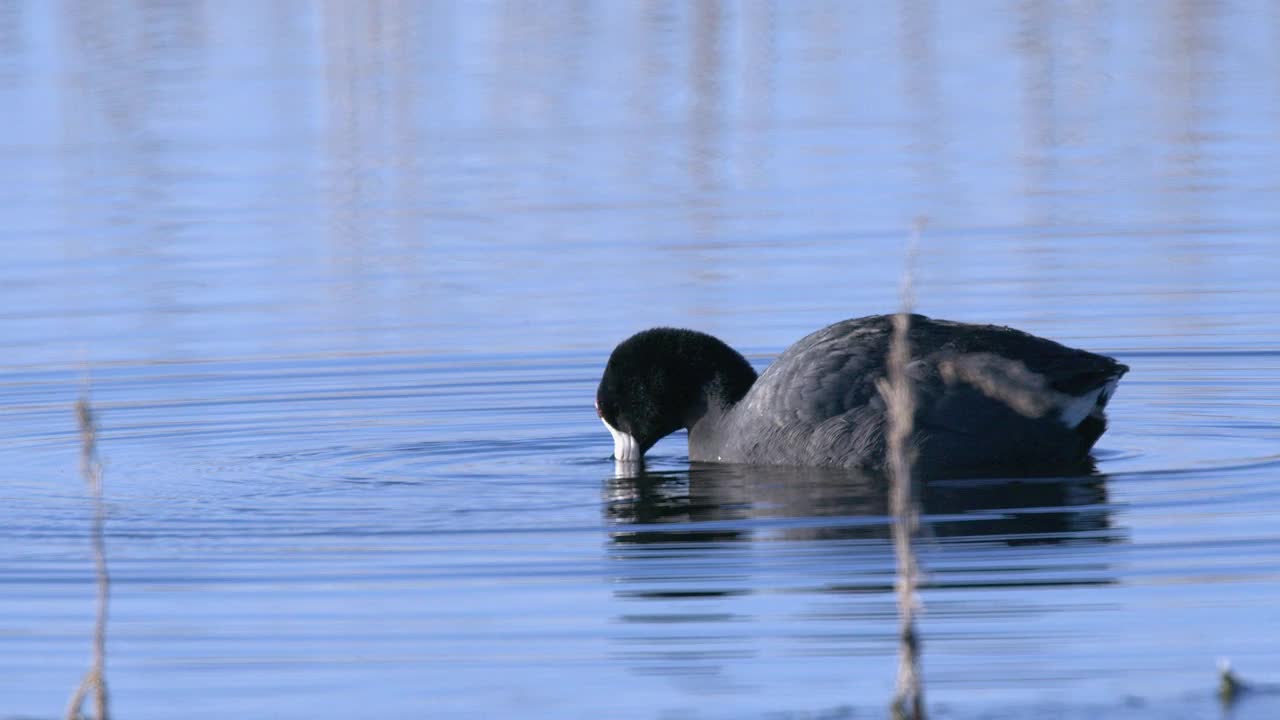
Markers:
(341, 280)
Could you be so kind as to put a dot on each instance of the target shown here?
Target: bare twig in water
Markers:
(908, 702)
(1229, 686)
(95, 680)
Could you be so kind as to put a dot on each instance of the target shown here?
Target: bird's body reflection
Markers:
(712, 502)
(717, 564)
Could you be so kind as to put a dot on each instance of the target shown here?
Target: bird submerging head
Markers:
(988, 399)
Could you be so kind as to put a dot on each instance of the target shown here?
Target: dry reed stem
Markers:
(1009, 381)
(95, 680)
(908, 702)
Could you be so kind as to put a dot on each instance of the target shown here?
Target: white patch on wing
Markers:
(1107, 391)
(625, 447)
(1076, 408)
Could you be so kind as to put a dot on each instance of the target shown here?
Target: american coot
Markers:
(989, 399)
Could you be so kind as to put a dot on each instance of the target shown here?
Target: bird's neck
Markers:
(713, 378)
(708, 420)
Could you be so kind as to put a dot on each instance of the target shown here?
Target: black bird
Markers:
(988, 399)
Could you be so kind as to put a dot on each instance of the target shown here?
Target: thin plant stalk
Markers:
(908, 702)
(95, 680)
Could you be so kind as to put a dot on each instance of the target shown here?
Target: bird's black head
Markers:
(661, 380)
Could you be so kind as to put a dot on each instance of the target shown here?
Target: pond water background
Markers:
(343, 276)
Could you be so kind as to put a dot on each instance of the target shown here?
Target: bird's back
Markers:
(989, 399)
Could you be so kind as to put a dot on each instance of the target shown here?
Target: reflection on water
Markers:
(348, 177)
(800, 503)
(699, 553)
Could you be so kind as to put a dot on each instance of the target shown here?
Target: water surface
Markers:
(342, 279)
